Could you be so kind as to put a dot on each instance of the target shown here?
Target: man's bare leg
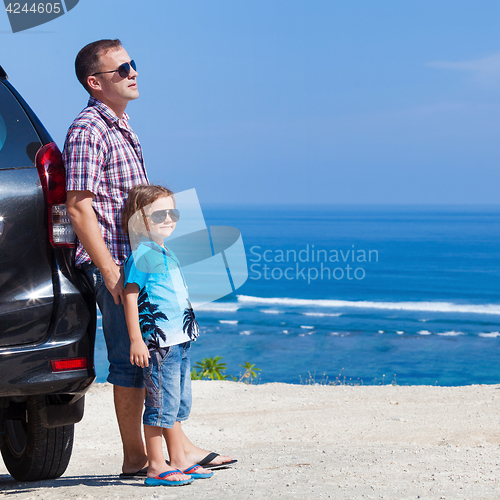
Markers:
(175, 447)
(195, 454)
(129, 403)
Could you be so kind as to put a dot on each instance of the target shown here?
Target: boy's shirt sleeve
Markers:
(132, 274)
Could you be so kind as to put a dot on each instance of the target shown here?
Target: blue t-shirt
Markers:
(165, 313)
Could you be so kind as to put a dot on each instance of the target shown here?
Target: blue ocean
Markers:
(358, 294)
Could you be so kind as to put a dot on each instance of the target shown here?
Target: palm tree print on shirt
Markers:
(148, 316)
(190, 325)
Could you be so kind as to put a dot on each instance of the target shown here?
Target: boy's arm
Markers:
(139, 353)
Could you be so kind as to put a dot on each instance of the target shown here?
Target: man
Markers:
(103, 159)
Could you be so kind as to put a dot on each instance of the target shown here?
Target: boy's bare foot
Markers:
(174, 477)
(186, 465)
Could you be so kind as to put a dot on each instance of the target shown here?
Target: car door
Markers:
(26, 285)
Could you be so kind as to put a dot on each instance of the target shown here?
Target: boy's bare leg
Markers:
(175, 445)
(157, 464)
(195, 454)
(129, 403)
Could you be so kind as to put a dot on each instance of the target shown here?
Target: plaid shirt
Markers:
(104, 157)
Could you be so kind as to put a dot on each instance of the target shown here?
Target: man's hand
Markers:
(83, 218)
(113, 279)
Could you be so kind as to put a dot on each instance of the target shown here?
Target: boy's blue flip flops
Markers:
(190, 471)
(161, 479)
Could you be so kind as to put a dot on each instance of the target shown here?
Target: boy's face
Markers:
(160, 210)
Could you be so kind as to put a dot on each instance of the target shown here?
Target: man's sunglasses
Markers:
(159, 216)
(123, 69)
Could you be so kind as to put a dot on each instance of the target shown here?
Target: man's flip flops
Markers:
(190, 471)
(161, 479)
(205, 463)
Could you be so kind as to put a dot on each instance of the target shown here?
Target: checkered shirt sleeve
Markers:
(104, 156)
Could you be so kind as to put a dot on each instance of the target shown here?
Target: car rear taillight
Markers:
(65, 365)
(53, 178)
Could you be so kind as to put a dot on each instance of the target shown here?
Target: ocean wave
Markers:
(307, 327)
(229, 321)
(219, 307)
(270, 311)
(246, 332)
(424, 332)
(452, 333)
(447, 307)
(322, 314)
(490, 335)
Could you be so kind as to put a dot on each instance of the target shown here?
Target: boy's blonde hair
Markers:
(141, 196)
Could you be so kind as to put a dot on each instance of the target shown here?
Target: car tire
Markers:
(32, 452)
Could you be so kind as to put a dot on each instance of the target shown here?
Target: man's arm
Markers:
(83, 218)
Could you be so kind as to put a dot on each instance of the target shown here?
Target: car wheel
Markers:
(31, 451)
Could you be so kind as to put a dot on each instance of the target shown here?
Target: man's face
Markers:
(114, 88)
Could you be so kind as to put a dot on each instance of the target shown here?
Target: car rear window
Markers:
(19, 141)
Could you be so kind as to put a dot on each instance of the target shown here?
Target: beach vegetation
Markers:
(342, 379)
(210, 368)
(214, 369)
(325, 380)
(394, 381)
(250, 373)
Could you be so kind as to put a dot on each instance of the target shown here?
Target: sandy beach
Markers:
(304, 442)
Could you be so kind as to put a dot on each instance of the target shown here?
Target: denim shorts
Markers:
(168, 384)
(121, 371)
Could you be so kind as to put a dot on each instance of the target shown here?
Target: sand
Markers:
(304, 442)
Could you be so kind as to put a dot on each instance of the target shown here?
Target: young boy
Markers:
(161, 325)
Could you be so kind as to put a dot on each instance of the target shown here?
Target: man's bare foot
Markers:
(132, 468)
(196, 455)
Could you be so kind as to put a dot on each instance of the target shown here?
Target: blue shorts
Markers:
(168, 384)
(121, 371)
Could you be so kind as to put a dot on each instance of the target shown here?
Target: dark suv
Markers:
(47, 310)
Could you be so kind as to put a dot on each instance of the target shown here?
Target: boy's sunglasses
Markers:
(160, 215)
(123, 69)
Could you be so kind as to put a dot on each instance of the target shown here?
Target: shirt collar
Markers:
(151, 244)
(105, 110)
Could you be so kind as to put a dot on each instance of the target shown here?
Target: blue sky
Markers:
(291, 101)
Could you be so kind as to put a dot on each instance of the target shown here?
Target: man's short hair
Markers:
(87, 61)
